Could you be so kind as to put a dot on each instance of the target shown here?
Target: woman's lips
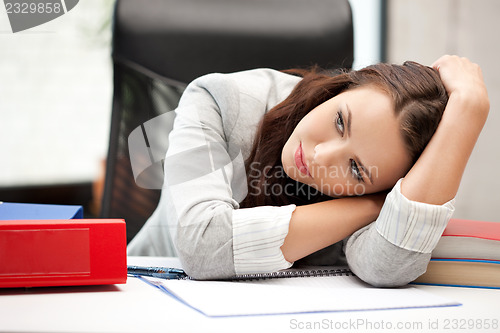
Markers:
(300, 162)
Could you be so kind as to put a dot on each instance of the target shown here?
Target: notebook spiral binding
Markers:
(295, 273)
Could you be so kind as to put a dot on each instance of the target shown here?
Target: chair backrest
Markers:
(161, 45)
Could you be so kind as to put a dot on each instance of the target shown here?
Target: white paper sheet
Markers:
(294, 295)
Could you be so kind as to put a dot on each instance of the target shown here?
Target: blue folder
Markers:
(28, 211)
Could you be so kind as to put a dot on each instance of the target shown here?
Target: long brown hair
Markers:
(419, 100)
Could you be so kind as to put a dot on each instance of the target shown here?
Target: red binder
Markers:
(35, 253)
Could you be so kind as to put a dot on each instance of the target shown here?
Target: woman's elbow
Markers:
(205, 259)
(194, 261)
(398, 273)
(380, 263)
(383, 264)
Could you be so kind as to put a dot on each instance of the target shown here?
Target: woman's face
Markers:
(349, 145)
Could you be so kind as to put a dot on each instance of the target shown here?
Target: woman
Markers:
(320, 153)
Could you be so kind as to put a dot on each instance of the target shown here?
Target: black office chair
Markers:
(161, 45)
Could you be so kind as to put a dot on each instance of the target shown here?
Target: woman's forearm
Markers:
(315, 226)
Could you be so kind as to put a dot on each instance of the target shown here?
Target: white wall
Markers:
(367, 32)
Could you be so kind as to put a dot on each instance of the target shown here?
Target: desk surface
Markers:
(138, 307)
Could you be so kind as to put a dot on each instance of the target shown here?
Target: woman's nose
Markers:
(328, 153)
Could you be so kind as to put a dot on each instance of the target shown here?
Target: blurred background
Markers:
(56, 92)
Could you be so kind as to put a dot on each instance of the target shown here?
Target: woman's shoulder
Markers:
(263, 75)
(265, 84)
(249, 76)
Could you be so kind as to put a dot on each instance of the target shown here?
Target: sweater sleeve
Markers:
(396, 248)
(205, 179)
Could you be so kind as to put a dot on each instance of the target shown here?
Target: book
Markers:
(462, 273)
(467, 255)
(469, 239)
(39, 253)
(294, 290)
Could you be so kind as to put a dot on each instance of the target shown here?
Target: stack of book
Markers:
(468, 254)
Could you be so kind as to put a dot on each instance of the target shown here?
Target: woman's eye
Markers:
(339, 122)
(355, 171)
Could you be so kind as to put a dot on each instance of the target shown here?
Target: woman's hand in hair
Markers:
(464, 81)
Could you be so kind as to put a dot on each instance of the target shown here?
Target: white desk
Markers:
(138, 307)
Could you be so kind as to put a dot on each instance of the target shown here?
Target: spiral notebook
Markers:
(302, 272)
(304, 290)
